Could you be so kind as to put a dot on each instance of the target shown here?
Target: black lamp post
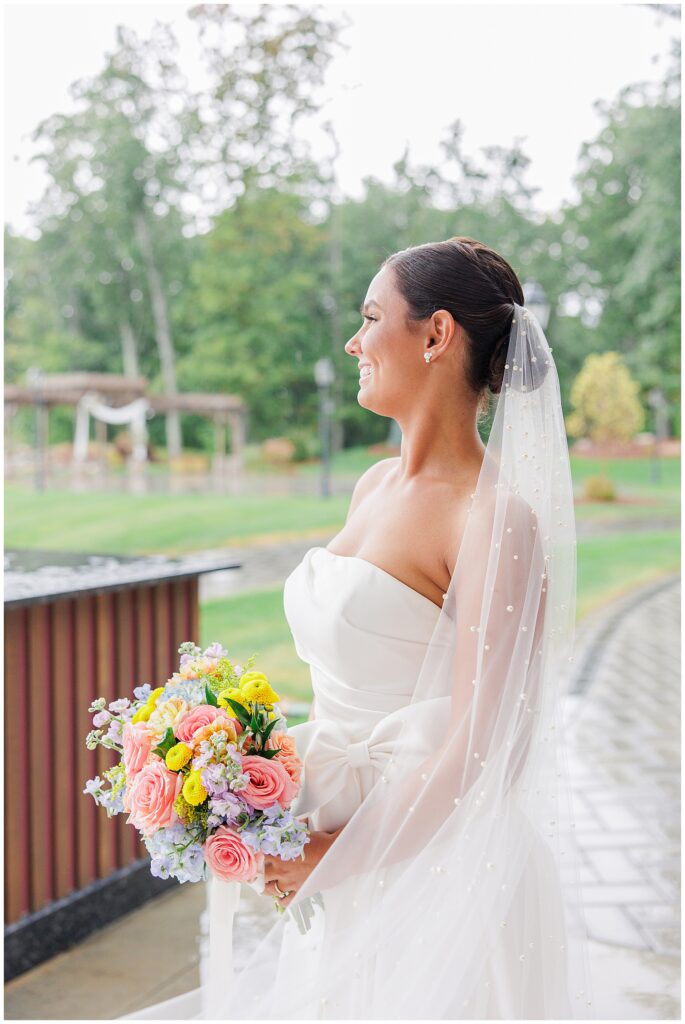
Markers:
(657, 401)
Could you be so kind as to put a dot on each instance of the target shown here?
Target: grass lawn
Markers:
(158, 524)
(631, 474)
(643, 496)
(610, 566)
(256, 623)
(124, 524)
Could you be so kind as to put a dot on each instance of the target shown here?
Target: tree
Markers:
(622, 243)
(264, 70)
(605, 399)
(253, 312)
(115, 192)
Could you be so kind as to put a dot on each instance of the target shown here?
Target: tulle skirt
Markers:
(508, 962)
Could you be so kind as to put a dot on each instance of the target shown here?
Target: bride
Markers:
(441, 876)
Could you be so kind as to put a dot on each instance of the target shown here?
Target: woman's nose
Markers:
(352, 344)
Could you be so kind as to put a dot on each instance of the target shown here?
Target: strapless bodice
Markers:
(364, 634)
(362, 631)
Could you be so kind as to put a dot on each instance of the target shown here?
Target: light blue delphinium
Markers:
(93, 786)
(160, 867)
(191, 864)
(192, 691)
(176, 853)
(276, 832)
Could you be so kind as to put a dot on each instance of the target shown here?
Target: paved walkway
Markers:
(624, 740)
(622, 717)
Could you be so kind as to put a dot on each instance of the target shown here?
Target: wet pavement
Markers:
(624, 756)
(621, 714)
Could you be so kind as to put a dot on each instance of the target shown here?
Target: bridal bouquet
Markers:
(207, 772)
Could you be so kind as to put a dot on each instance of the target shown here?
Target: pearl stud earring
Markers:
(427, 356)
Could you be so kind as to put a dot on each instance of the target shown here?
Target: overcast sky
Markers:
(506, 70)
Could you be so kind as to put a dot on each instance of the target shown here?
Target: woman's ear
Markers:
(444, 331)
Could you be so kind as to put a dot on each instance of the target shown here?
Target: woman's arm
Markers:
(402, 818)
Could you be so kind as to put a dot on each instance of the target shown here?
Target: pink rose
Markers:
(287, 755)
(269, 782)
(198, 718)
(151, 796)
(229, 858)
(137, 744)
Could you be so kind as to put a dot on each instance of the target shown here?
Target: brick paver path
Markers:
(625, 762)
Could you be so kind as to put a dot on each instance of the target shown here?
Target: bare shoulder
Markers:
(369, 479)
(485, 514)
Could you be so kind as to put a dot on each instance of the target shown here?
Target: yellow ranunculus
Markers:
(142, 714)
(252, 676)
(235, 694)
(193, 790)
(177, 757)
(145, 710)
(259, 691)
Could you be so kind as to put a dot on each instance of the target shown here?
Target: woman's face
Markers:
(393, 372)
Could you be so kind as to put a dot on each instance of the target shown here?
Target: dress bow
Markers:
(332, 760)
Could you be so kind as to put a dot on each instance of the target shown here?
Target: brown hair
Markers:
(477, 286)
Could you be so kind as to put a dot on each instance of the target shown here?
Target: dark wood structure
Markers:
(98, 634)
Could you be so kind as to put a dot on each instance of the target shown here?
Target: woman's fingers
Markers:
(271, 891)
(274, 868)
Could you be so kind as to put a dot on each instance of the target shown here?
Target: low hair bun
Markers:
(497, 362)
(478, 287)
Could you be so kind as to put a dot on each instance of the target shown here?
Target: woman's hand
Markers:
(290, 874)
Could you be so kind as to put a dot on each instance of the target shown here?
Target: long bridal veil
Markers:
(453, 890)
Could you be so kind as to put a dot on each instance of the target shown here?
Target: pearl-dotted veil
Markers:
(453, 890)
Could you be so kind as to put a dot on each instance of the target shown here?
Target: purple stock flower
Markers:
(115, 731)
(228, 806)
(215, 650)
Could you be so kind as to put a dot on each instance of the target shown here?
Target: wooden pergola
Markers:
(117, 390)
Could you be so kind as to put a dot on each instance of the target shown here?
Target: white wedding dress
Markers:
(364, 634)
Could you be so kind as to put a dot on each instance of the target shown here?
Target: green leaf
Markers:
(242, 715)
(270, 753)
(165, 744)
(210, 696)
(267, 731)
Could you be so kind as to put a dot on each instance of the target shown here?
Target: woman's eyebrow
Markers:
(365, 305)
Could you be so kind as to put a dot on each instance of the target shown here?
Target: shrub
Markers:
(599, 488)
(305, 444)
